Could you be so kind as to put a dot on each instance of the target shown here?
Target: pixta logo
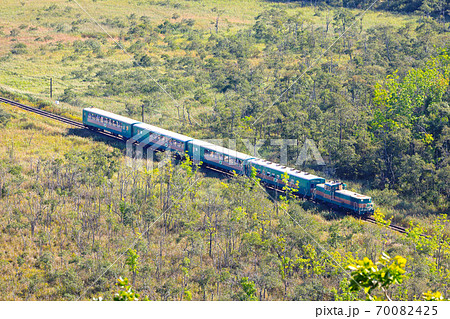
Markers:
(148, 145)
(141, 150)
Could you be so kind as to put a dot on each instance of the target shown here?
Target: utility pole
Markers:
(51, 88)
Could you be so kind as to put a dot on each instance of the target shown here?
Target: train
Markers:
(330, 193)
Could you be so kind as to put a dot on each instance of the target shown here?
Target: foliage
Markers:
(126, 292)
(4, 117)
(433, 296)
(369, 276)
(249, 289)
(132, 262)
(371, 91)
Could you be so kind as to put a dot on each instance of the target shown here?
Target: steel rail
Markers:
(55, 117)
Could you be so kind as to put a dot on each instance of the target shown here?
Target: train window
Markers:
(273, 174)
(225, 158)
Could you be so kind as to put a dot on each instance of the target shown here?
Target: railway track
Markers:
(396, 228)
(81, 125)
(53, 116)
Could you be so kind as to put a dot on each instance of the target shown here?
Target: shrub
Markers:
(19, 48)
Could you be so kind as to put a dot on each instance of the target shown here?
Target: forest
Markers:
(370, 88)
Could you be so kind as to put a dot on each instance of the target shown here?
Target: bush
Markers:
(4, 117)
(19, 48)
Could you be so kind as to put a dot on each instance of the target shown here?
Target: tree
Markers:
(369, 276)
(126, 292)
(132, 262)
(249, 290)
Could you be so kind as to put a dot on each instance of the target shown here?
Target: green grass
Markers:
(44, 25)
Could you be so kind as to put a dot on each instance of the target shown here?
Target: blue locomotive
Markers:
(307, 185)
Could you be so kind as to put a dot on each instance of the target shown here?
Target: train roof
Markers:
(352, 194)
(344, 191)
(289, 170)
(110, 115)
(223, 150)
(164, 132)
(333, 183)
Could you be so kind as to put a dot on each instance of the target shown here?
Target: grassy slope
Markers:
(28, 273)
(31, 136)
(48, 48)
(48, 36)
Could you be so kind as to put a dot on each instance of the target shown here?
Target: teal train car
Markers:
(97, 119)
(161, 139)
(218, 156)
(271, 173)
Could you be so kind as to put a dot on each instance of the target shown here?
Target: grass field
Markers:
(48, 29)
